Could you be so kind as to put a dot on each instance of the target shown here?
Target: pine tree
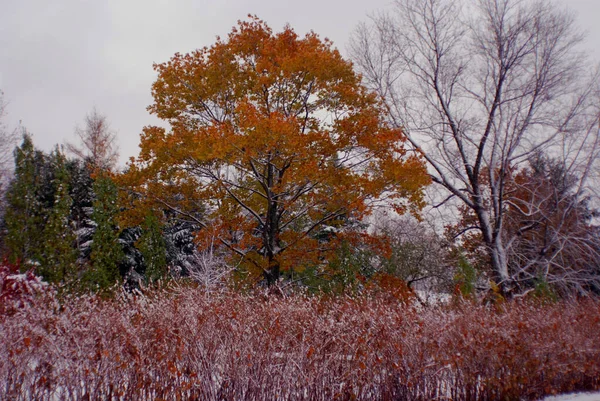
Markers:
(24, 216)
(81, 191)
(179, 243)
(58, 256)
(133, 261)
(153, 248)
(106, 251)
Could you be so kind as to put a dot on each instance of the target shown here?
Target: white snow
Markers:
(575, 397)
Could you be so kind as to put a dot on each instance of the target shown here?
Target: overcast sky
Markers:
(61, 58)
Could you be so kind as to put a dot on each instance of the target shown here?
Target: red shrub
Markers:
(18, 290)
(184, 344)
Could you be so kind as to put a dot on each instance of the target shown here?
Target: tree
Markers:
(25, 210)
(416, 254)
(81, 191)
(98, 143)
(106, 251)
(273, 136)
(58, 254)
(553, 239)
(478, 91)
(38, 218)
(153, 249)
(181, 250)
(8, 140)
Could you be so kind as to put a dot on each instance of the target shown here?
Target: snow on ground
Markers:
(575, 397)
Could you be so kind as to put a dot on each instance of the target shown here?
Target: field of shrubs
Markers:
(181, 343)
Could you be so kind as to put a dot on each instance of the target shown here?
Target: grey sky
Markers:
(59, 59)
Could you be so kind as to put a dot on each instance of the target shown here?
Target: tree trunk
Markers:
(496, 251)
(500, 268)
(273, 272)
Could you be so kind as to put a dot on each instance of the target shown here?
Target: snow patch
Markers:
(575, 397)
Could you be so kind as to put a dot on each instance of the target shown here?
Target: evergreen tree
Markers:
(58, 256)
(153, 248)
(24, 216)
(106, 251)
(180, 247)
(82, 193)
(132, 266)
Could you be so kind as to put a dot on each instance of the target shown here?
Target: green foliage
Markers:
(153, 249)
(543, 289)
(465, 277)
(24, 216)
(39, 232)
(106, 253)
(343, 273)
(57, 255)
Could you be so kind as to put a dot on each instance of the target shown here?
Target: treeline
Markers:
(64, 221)
(61, 220)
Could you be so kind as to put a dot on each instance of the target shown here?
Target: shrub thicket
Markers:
(179, 343)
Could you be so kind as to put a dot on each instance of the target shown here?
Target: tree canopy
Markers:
(480, 87)
(274, 148)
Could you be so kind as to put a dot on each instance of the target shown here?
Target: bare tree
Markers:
(479, 87)
(8, 141)
(416, 254)
(98, 142)
(209, 267)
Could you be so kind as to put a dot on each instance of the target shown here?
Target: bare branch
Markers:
(98, 143)
(480, 87)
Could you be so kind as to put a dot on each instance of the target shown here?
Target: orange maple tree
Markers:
(272, 139)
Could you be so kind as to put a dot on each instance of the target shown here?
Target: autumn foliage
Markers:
(274, 148)
(549, 228)
(180, 343)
